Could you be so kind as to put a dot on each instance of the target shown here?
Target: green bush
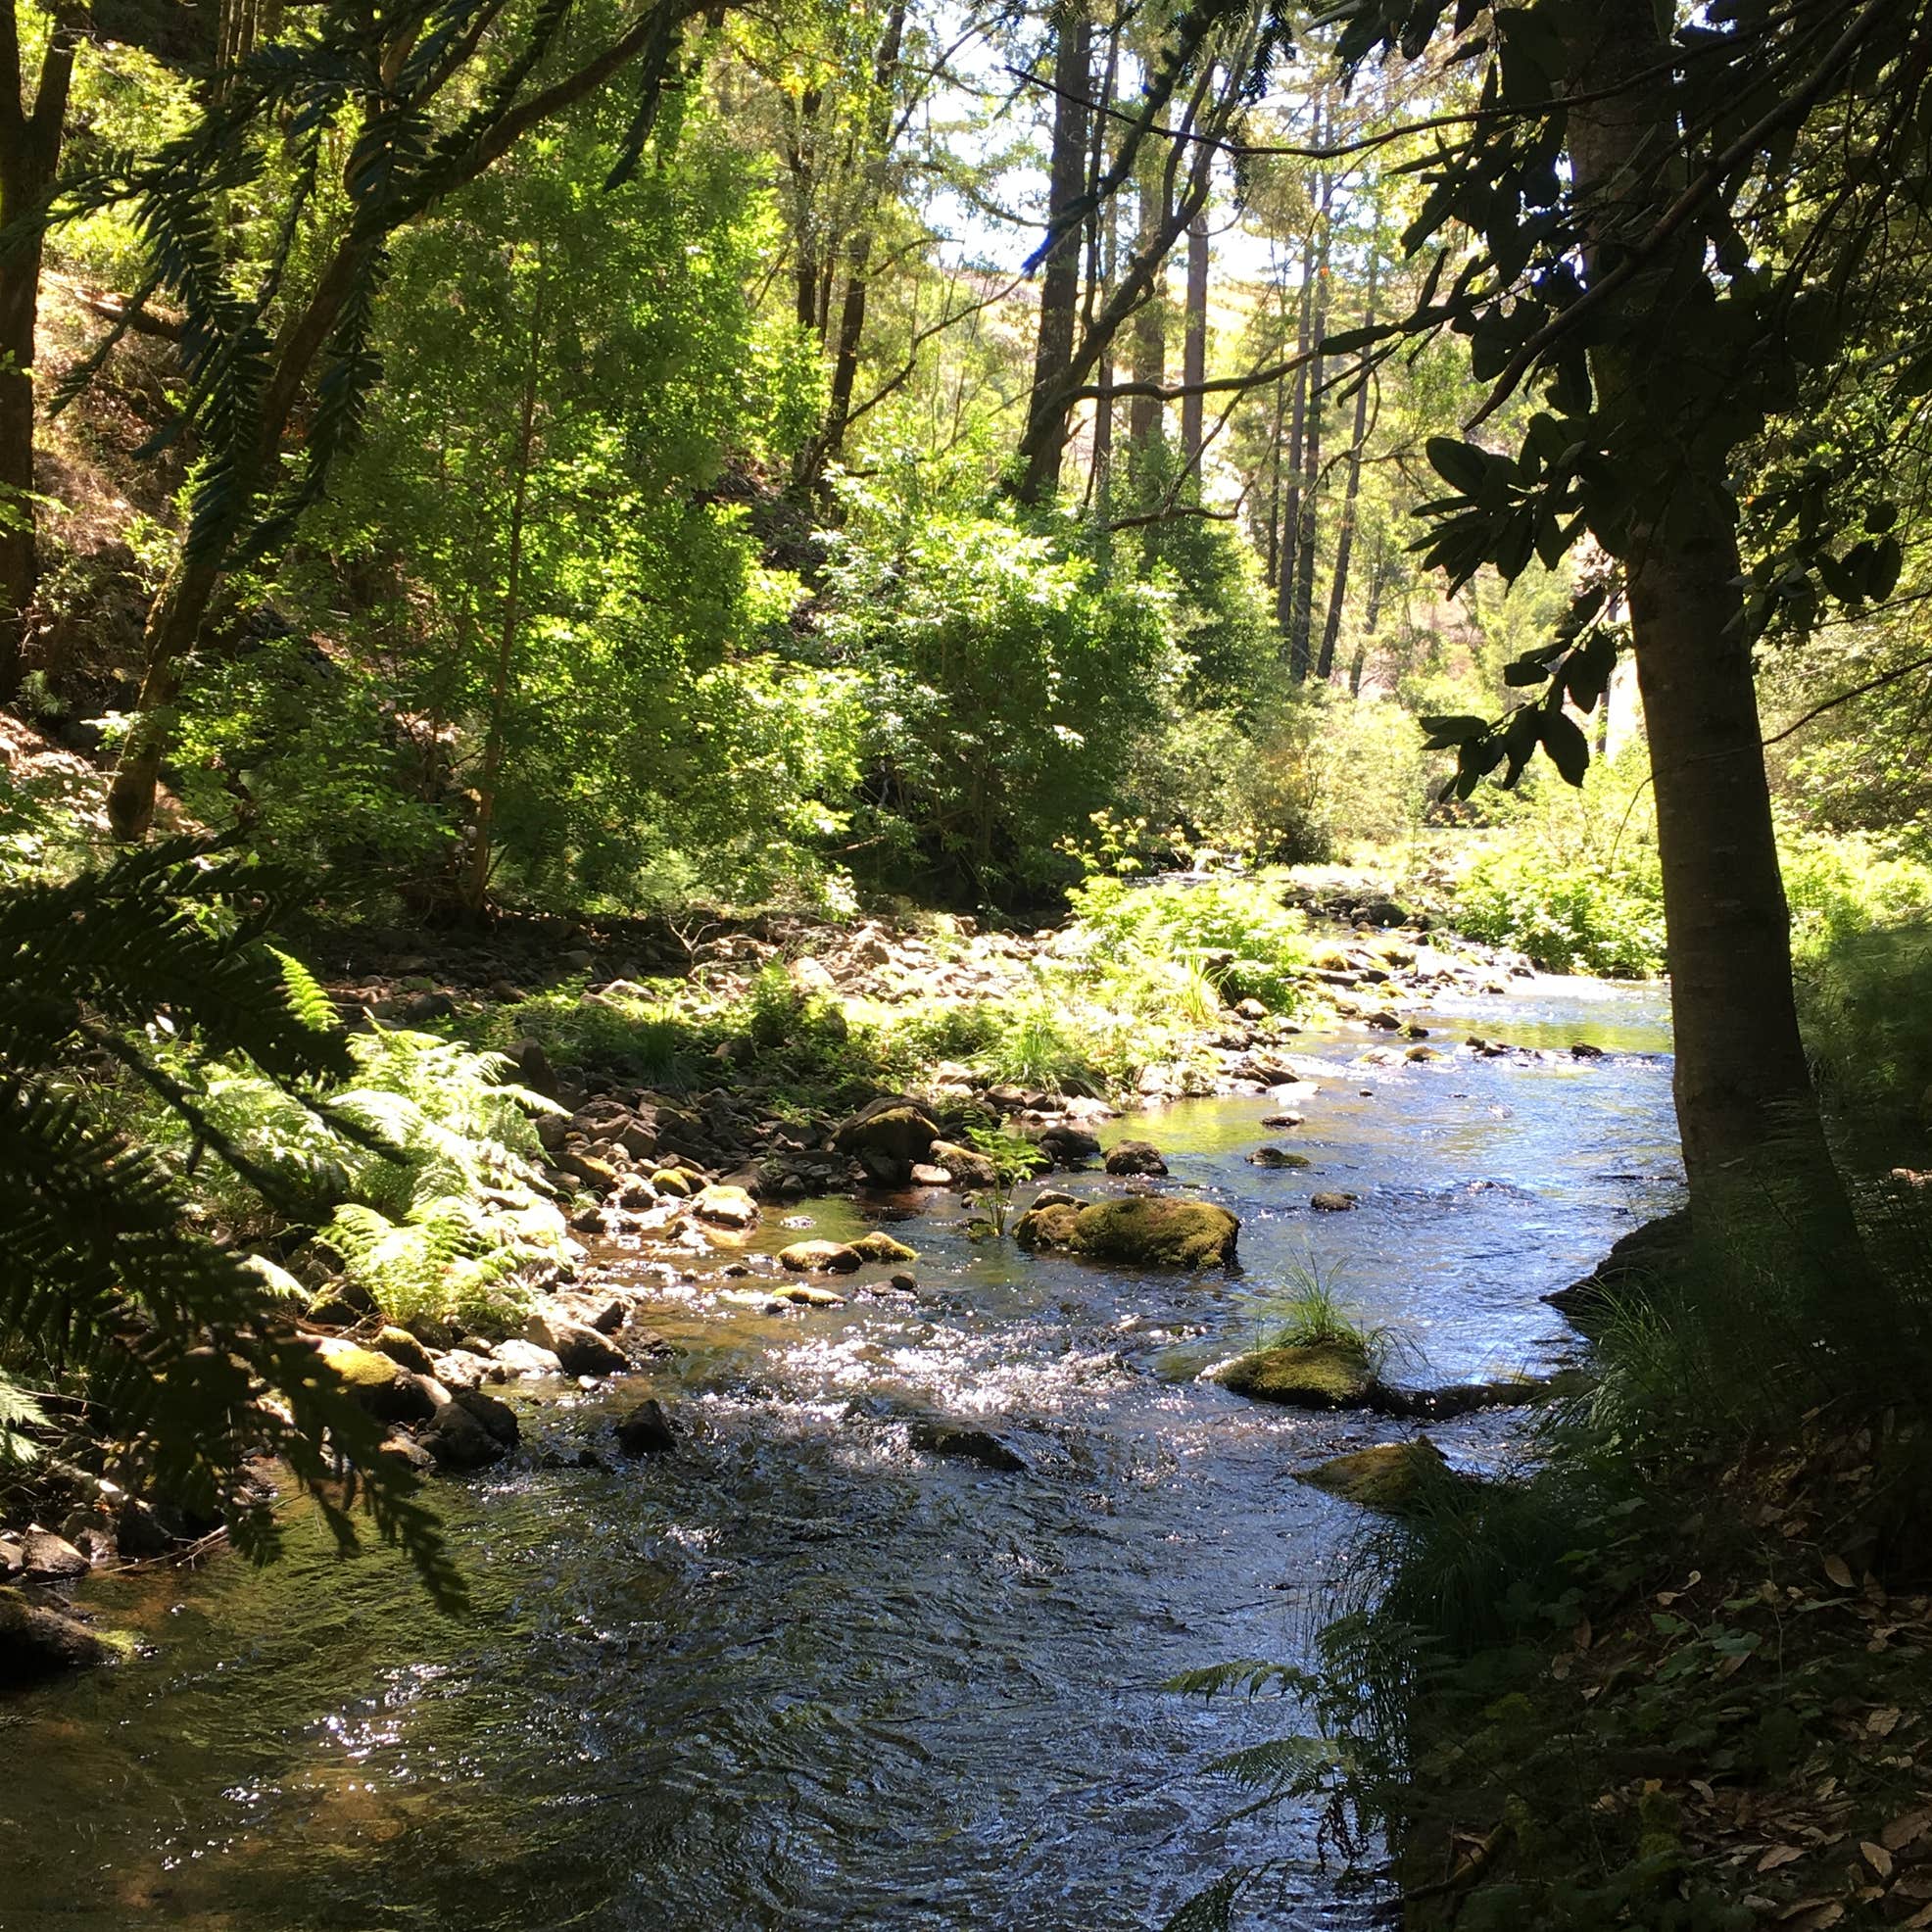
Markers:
(1564, 914)
(1166, 933)
(1866, 1002)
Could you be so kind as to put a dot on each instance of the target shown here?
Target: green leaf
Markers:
(1462, 466)
(1569, 748)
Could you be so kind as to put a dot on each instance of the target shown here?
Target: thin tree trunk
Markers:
(1148, 344)
(1746, 1111)
(1300, 635)
(1103, 245)
(858, 253)
(476, 869)
(1345, 539)
(30, 155)
(1369, 619)
(1048, 424)
(1289, 545)
(1193, 346)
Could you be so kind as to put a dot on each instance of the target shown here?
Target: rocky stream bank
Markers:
(665, 1177)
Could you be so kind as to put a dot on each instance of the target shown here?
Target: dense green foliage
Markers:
(110, 1286)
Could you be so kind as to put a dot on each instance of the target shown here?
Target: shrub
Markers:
(1164, 932)
(1564, 914)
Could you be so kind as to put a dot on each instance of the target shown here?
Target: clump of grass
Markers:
(1307, 1312)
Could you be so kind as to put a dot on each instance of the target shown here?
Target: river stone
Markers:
(578, 1347)
(895, 1128)
(1329, 1375)
(820, 1258)
(672, 1181)
(806, 1295)
(1142, 1230)
(525, 1358)
(1069, 1146)
(1053, 1198)
(37, 1642)
(458, 1441)
(925, 1175)
(647, 1430)
(880, 1246)
(1278, 1157)
(725, 1206)
(1135, 1157)
(964, 1166)
(407, 1451)
(386, 1389)
(403, 1347)
(1331, 1203)
(942, 1435)
(1393, 1476)
(495, 1416)
(50, 1557)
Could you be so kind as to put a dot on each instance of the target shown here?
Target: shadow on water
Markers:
(802, 1676)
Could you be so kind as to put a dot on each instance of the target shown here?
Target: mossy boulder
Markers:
(1048, 1226)
(966, 1167)
(404, 1349)
(1393, 1476)
(389, 1391)
(880, 1246)
(1278, 1157)
(38, 1642)
(1142, 1231)
(892, 1128)
(1324, 1374)
(820, 1258)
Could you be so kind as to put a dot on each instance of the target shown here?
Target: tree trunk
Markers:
(1288, 545)
(1059, 282)
(1193, 346)
(1300, 635)
(1746, 1111)
(1370, 619)
(858, 254)
(1346, 540)
(1103, 244)
(30, 156)
(476, 868)
(1149, 336)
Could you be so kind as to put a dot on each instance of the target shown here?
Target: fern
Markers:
(178, 1341)
(17, 1411)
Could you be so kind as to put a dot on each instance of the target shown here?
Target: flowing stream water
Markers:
(800, 1675)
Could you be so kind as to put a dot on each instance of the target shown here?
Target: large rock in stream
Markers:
(38, 1642)
(1396, 1478)
(1140, 1230)
(887, 1135)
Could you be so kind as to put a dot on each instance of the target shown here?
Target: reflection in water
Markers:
(800, 1677)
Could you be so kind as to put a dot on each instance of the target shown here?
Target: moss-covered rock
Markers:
(880, 1246)
(1146, 1231)
(820, 1258)
(1393, 1476)
(38, 1642)
(893, 1127)
(1327, 1375)
(966, 1167)
(725, 1206)
(404, 1348)
(389, 1391)
(1048, 1226)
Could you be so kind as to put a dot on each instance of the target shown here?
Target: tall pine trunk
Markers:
(1148, 346)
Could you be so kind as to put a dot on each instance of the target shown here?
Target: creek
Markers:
(801, 1676)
